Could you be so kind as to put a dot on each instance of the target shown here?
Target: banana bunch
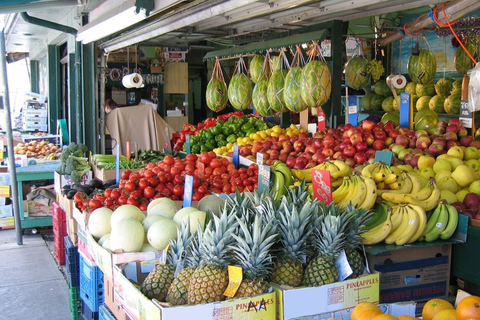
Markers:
(386, 177)
(50, 156)
(442, 223)
(359, 191)
(338, 169)
(400, 224)
(281, 178)
(426, 197)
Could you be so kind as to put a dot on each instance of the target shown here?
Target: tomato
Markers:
(243, 176)
(247, 182)
(99, 196)
(130, 186)
(149, 192)
(143, 183)
(231, 168)
(226, 188)
(178, 190)
(225, 161)
(191, 157)
(149, 174)
(197, 196)
(125, 174)
(79, 197)
(218, 171)
(253, 167)
(107, 193)
(202, 189)
(108, 203)
(218, 184)
(168, 193)
(208, 172)
(215, 163)
(153, 181)
(205, 158)
(180, 165)
(249, 188)
(175, 171)
(212, 154)
(160, 188)
(156, 170)
(162, 178)
(143, 206)
(189, 169)
(137, 193)
(115, 194)
(94, 203)
(133, 201)
(151, 165)
(135, 176)
(196, 182)
(179, 179)
(168, 159)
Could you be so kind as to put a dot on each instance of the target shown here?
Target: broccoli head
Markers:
(76, 167)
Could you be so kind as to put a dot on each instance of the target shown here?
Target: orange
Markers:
(446, 314)
(406, 317)
(368, 314)
(384, 316)
(433, 306)
(361, 307)
(468, 308)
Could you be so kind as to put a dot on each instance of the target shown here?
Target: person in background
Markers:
(110, 105)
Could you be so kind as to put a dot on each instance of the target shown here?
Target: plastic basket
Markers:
(59, 221)
(105, 314)
(59, 251)
(91, 285)
(87, 313)
(74, 302)
(72, 262)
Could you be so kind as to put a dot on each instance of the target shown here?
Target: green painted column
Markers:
(72, 112)
(89, 95)
(54, 86)
(34, 85)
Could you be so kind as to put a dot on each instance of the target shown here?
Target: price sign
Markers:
(383, 156)
(405, 110)
(466, 116)
(259, 158)
(117, 165)
(187, 143)
(322, 185)
(4, 191)
(352, 110)
(322, 120)
(235, 277)
(188, 191)
(264, 173)
(236, 156)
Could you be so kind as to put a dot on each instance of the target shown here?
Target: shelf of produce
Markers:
(31, 173)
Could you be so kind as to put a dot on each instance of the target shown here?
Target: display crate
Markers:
(74, 302)
(105, 314)
(87, 313)
(59, 249)
(71, 262)
(59, 219)
(91, 284)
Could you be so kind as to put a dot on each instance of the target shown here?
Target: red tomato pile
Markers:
(212, 174)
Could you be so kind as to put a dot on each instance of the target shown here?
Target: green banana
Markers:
(451, 224)
(440, 225)
(278, 185)
(285, 170)
(379, 215)
(432, 219)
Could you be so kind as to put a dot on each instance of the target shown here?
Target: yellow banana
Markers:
(451, 224)
(424, 193)
(367, 170)
(405, 188)
(378, 233)
(385, 168)
(337, 182)
(392, 237)
(341, 192)
(390, 178)
(381, 186)
(393, 197)
(427, 204)
(298, 174)
(343, 169)
(411, 228)
(331, 167)
(395, 185)
(370, 194)
(422, 217)
(357, 195)
(378, 176)
(396, 217)
(439, 226)
(416, 184)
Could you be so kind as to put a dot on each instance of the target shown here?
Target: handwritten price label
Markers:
(322, 120)
(322, 185)
(263, 178)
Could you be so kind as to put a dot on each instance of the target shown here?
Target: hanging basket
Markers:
(291, 93)
(217, 96)
(276, 83)
(259, 94)
(240, 88)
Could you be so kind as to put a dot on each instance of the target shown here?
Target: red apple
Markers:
(368, 138)
(310, 149)
(328, 140)
(455, 121)
(452, 144)
(349, 151)
(328, 152)
(301, 162)
(466, 140)
(349, 161)
(442, 124)
(356, 138)
(469, 213)
(440, 141)
(452, 128)
(402, 140)
(370, 153)
(379, 144)
(414, 160)
(361, 146)
(389, 141)
(394, 133)
(290, 162)
(337, 155)
(413, 142)
(471, 199)
(368, 125)
(435, 149)
(462, 131)
(408, 157)
(283, 157)
(459, 205)
(475, 144)
(423, 142)
(477, 216)
(360, 157)
(380, 135)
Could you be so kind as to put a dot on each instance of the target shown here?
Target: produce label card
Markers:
(259, 156)
(264, 173)
(188, 191)
(322, 185)
(235, 277)
(236, 156)
(465, 114)
(405, 110)
(187, 143)
(352, 110)
(384, 156)
(322, 120)
(4, 191)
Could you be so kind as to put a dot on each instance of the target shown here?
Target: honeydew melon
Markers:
(126, 211)
(161, 232)
(99, 222)
(165, 209)
(127, 235)
(154, 202)
(151, 219)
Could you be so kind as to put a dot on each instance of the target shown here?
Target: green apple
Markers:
(425, 162)
(471, 153)
(454, 161)
(442, 174)
(448, 183)
(427, 173)
(403, 152)
(442, 164)
(472, 163)
(464, 175)
(396, 148)
(475, 187)
(456, 151)
(449, 196)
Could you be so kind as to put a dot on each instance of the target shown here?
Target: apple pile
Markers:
(470, 206)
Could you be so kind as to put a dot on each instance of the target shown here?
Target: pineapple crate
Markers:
(91, 284)
(74, 302)
(71, 262)
(105, 314)
(87, 313)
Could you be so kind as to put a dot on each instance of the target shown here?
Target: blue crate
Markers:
(87, 313)
(91, 285)
(71, 262)
(105, 314)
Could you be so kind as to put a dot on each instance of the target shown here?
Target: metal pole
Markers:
(103, 64)
(11, 158)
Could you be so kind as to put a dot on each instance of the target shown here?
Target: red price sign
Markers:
(322, 120)
(322, 185)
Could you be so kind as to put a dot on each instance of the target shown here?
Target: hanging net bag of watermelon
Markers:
(217, 96)
(240, 87)
(259, 94)
(291, 91)
(316, 85)
(422, 64)
(276, 83)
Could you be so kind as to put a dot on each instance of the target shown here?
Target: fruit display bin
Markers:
(72, 263)
(74, 302)
(463, 259)
(91, 285)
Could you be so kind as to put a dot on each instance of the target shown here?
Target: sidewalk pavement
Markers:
(32, 285)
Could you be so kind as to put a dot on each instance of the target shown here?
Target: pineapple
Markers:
(329, 243)
(252, 252)
(209, 280)
(294, 229)
(178, 292)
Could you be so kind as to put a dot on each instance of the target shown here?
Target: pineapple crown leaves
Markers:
(217, 238)
(193, 258)
(330, 237)
(252, 246)
(179, 246)
(298, 194)
(355, 226)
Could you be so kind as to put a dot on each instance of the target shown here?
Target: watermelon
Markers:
(291, 92)
(443, 87)
(452, 104)
(365, 102)
(391, 116)
(422, 67)
(425, 89)
(376, 102)
(414, 99)
(387, 104)
(275, 63)
(316, 85)
(462, 61)
(275, 88)
(256, 68)
(259, 98)
(381, 88)
(456, 87)
(411, 88)
(423, 113)
(426, 123)
(423, 103)
(356, 74)
(217, 95)
(436, 104)
(240, 91)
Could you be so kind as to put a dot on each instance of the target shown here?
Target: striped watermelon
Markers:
(462, 61)
(356, 74)
(240, 91)
(316, 85)
(291, 92)
(256, 68)
(422, 67)
(259, 98)
(217, 96)
(276, 85)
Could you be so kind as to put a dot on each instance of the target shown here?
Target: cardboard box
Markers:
(138, 306)
(309, 301)
(35, 96)
(50, 138)
(67, 206)
(61, 180)
(7, 223)
(115, 308)
(36, 113)
(6, 211)
(37, 208)
(417, 273)
(104, 175)
(35, 127)
(394, 309)
(33, 120)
